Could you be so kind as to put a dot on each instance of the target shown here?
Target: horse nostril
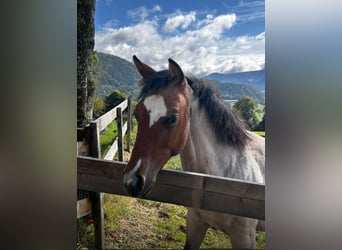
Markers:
(135, 184)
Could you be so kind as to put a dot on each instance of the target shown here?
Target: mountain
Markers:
(235, 91)
(252, 78)
(112, 72)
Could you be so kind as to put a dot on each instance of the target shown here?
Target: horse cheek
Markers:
(179, 139)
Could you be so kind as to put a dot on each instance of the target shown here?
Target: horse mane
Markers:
(152, 85)
(226, 123)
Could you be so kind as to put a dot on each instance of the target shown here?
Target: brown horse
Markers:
(184, 115)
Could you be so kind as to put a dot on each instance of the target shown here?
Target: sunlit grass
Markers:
(107, 137)
(261, 133)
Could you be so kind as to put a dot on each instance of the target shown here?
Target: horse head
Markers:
(163, 116)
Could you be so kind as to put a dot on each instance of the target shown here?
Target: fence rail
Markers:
(100, 124)
(202, 191)
(104, 120)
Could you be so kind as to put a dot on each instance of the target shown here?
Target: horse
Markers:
(182, 114)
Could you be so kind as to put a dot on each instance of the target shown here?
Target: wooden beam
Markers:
(120, 133)
(98, 215)
(95, 149)
(112, 151)
(96, 197)
(114, 148)
(129, 124)
(188, 189)
(104, 120)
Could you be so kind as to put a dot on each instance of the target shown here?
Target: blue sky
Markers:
(203, 36)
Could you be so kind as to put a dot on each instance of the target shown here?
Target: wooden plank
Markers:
(202, 191)
(111, 115)
(84, 207)
(112, 151)
(106, 119)
(95, 150)
(98, 215)
(120, 133)
(124, 129)
(96, 200)
(114, 148)
(129, 124)
(123, 105)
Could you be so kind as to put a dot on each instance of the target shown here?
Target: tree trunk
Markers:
(85, 83)
(85, 47)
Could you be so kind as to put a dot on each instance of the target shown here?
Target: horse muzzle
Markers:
(139, 177)
(135, 185)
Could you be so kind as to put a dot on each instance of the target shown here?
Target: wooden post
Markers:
(97, 198)
(95, 149)
(98, 215)
(129, 124)
(120, 135)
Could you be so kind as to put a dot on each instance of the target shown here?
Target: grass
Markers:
(155, 224)
(141, 224)
(107, 137)
(85, 233)
(262, 133)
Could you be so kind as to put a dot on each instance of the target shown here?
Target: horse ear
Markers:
(144, 70)
(175, 70)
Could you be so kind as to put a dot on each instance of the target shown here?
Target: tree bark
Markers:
(85, 47)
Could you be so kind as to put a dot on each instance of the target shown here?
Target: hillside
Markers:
(252, 78)
(112, 72)
(234, 91)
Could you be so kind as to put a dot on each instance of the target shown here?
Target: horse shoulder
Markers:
(255, 152)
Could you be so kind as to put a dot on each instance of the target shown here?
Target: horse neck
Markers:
(202, 151)
(204, 154)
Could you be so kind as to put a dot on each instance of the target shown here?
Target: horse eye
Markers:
(172, 119)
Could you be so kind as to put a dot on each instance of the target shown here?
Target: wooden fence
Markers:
(188, 189)
(88, 144)
(101, 123)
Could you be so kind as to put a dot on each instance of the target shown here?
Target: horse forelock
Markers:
(154, 83)
(227, 125)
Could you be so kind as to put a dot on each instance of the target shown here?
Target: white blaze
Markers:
(137, 166)
(128, 176)
(156, 108)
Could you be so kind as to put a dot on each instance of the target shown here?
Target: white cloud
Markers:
(156, 8)
(213, 27)
(142, 12)
(261, 36)
(182, 21)
(110, 23)
(201, 50)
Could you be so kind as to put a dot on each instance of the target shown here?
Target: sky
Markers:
(202, 36)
